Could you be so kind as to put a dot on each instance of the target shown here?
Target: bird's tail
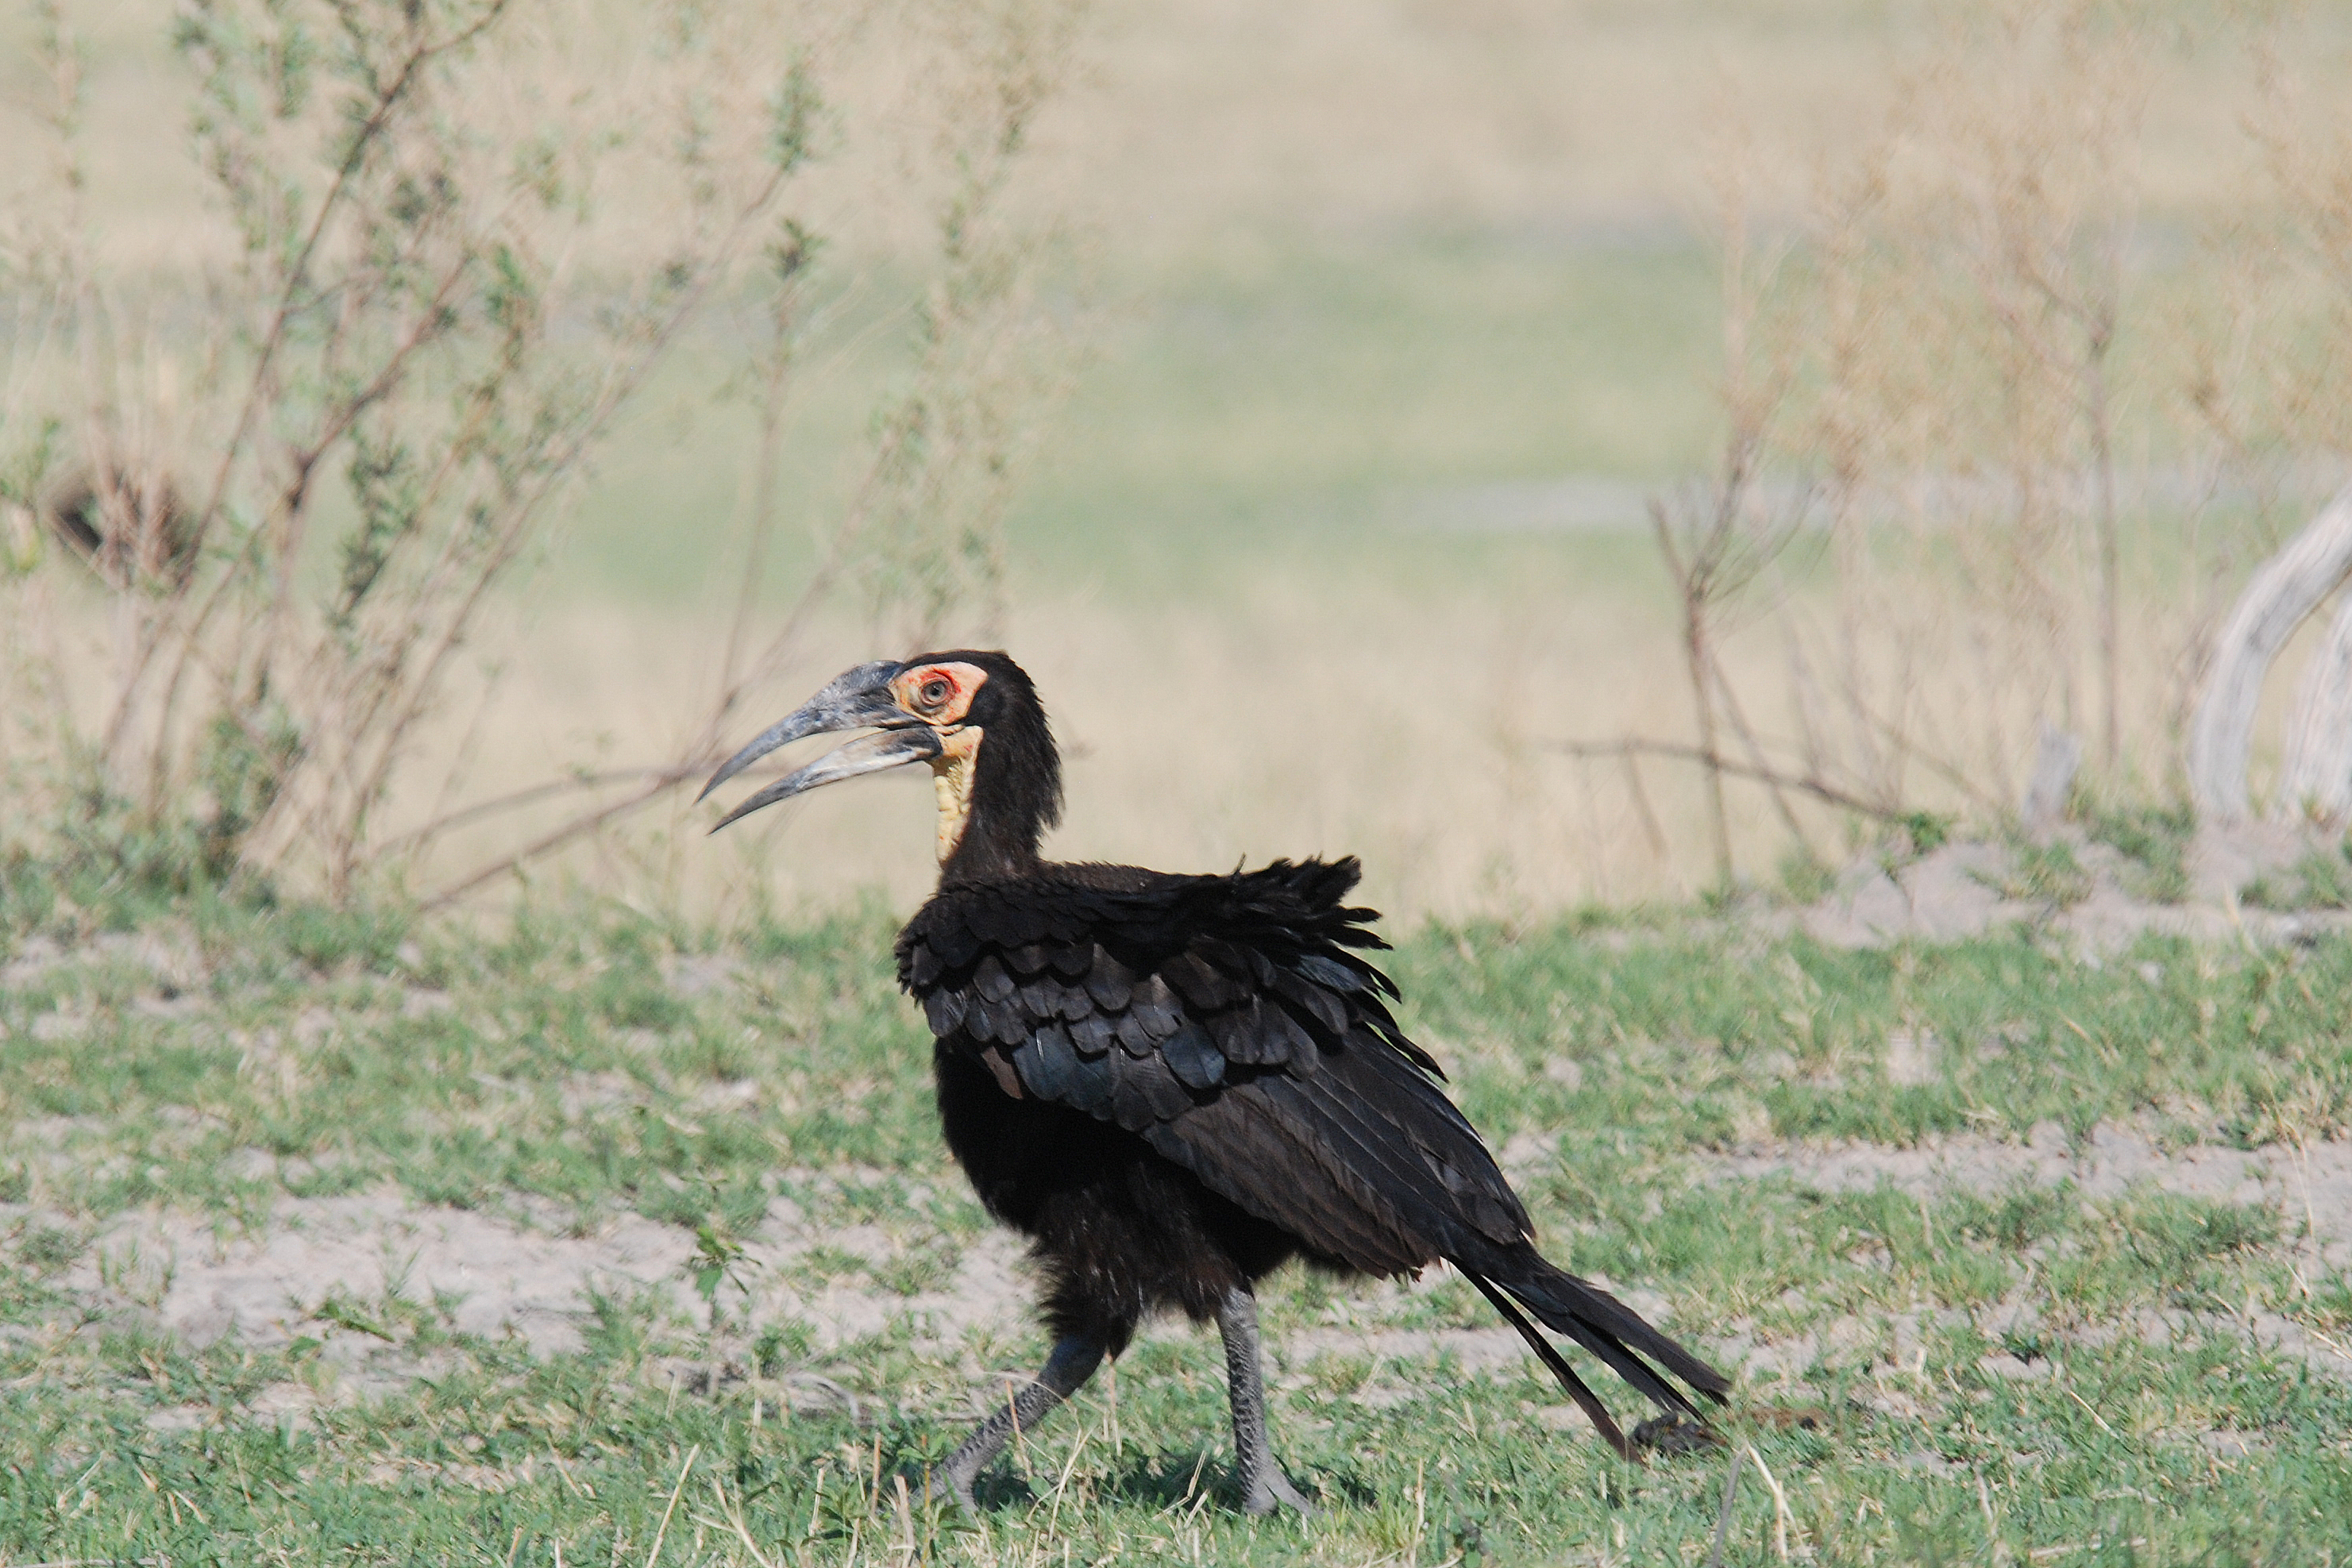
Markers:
(1607, 1327)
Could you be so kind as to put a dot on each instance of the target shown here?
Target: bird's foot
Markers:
(1066, 1370)
(957, 1478)
(1263, 1494)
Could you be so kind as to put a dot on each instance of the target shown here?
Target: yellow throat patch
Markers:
(951, 776)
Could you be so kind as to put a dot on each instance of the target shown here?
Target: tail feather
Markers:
(1607, 1327)
(1585, 1398)
(1631, 1368)
(1563, 1303)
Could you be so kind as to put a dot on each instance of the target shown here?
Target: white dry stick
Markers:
(691, 1455)
(2310, 1214)
(1780, 1514)
(2315, 776)
(1053, 1517)
(732, 1512)
(1723, 1518)
(2283, 593)
(907, 1519)
(1992, 1526)
(2086, 1403)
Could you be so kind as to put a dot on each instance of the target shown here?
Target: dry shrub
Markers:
(446, 245)
(2040, 430)
(1966, 418)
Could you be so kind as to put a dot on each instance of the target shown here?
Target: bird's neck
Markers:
(998, 793)
(986, 830)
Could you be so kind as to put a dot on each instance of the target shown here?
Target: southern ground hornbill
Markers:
(1175, 1084)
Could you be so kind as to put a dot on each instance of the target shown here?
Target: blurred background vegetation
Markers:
(1302, 394)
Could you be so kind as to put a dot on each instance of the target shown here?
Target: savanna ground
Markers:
(612, 1239)
(612, 1225)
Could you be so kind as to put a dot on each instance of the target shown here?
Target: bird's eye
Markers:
(935, 691)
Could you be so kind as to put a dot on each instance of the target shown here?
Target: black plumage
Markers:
(1173, 1085)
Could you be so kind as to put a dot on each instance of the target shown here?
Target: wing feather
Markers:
(1193, 1057)
(991, 980)
(943, 1010)
(1093, 1033)
(1145, 1091)
(1109, 982)
(1047, 1063)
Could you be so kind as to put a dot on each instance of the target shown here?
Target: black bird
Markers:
(1174, 1084)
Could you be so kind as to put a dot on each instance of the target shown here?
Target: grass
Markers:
(1237, 513)
(2044, 873)
(2321, 879)
(1240, 414)
(1926, 1375)
(2154, 838)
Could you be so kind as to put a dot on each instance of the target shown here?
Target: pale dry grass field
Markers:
(1202, 124)
(1402, 726)
(1416, 731)
(1280, 704)
(1414, 725)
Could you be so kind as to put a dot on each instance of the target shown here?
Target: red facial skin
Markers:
(916, 690)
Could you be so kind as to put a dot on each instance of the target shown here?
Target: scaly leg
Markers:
(1264, 1486)
(1066, 1370)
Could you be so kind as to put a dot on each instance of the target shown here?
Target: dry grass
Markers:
(1307, 713)
(455, 246)
(1204, 120)
(1365, 711)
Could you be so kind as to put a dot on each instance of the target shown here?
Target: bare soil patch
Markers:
(496, 1276)
(1967, 889)
(2309, 1187)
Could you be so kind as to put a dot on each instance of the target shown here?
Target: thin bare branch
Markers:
(363, 143)
(1715, 762)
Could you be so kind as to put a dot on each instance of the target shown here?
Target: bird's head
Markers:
(974, 716)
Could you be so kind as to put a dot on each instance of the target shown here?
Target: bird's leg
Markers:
(1066, 1370)
(1264, 1486)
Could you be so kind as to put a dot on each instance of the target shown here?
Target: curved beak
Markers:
(855, 699)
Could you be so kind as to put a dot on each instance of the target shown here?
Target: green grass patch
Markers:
(1297, 404)
(2154, 838)
(2321, 879)
(1929, 1377)
(2047, 873)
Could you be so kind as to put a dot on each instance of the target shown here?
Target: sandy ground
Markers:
(499, 1275)
(494, 1275)
(1956, 893)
